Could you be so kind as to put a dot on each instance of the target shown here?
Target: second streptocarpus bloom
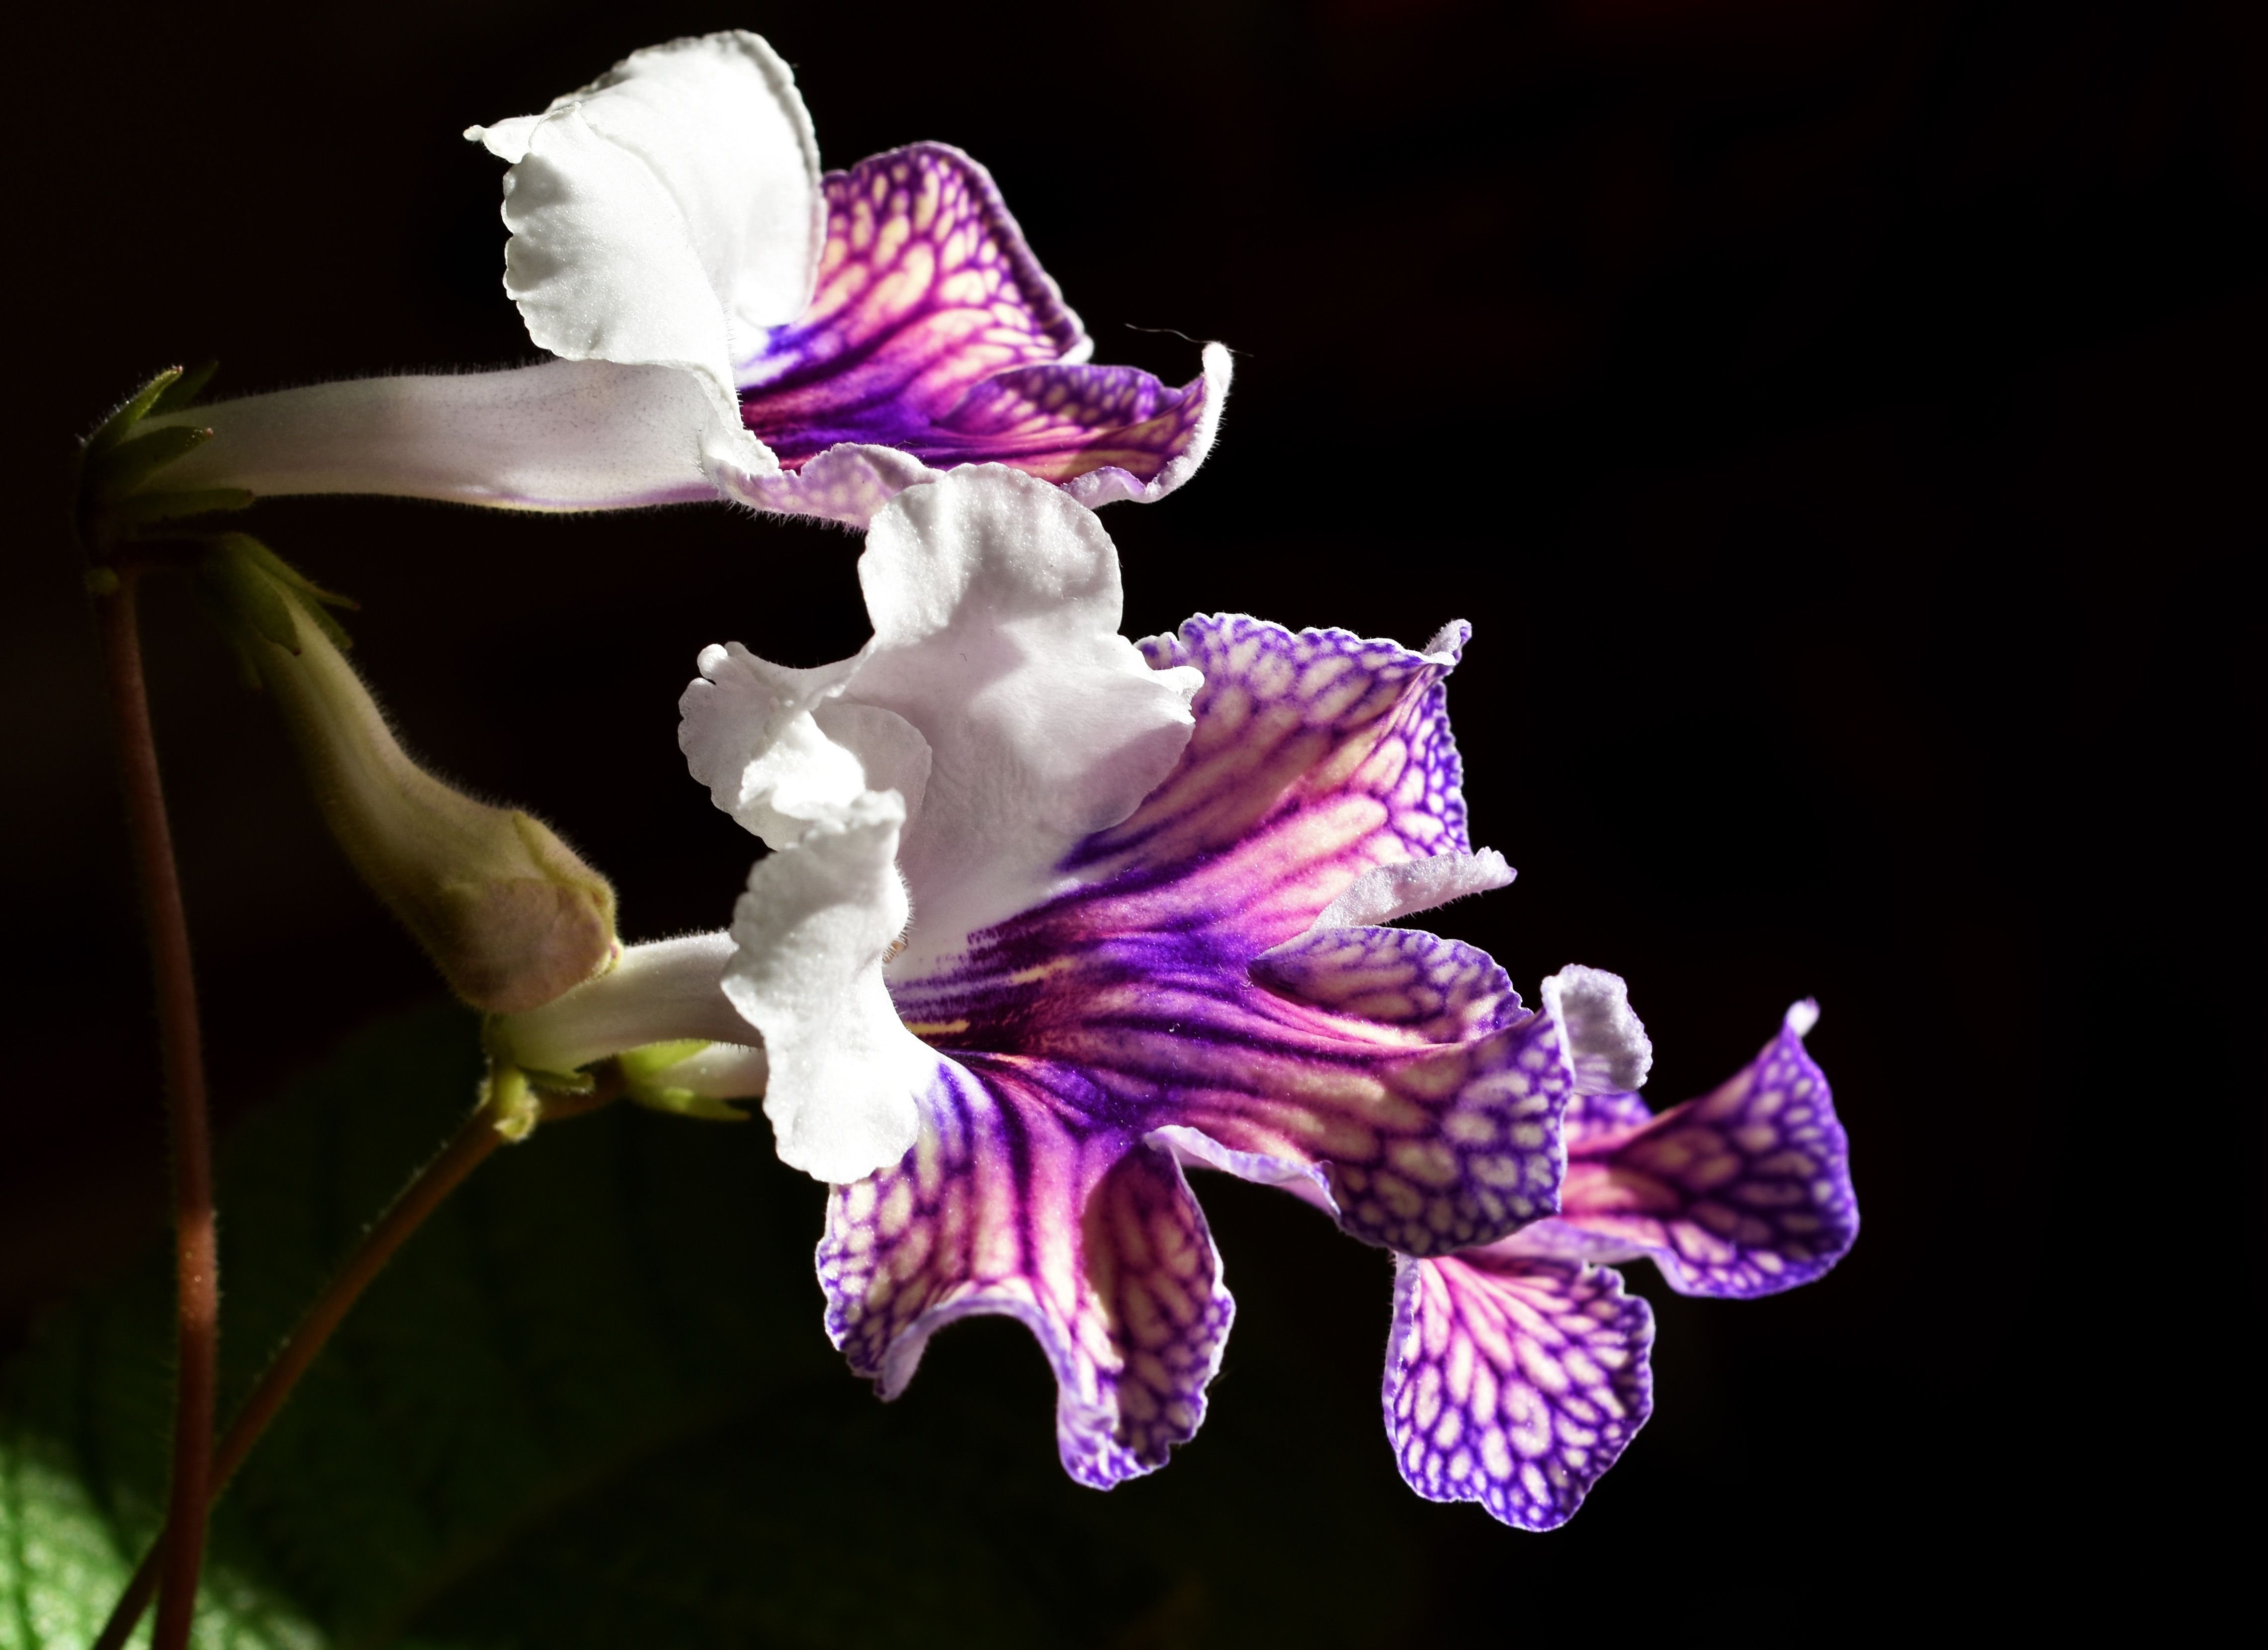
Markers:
(729, 322)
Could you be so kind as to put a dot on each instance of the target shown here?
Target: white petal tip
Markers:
(1802, 1016)
(1385, 892)
(846, 1149)
(1606, 1041)
(506, 140)
(1448, 642)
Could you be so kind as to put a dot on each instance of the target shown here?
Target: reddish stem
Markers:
(465, 1153)
(197, 1263)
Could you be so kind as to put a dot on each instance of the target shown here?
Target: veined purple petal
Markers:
(1398, 1067)
(1015, 1201)
(1443, 989)
(1590, 1116)
(1513, 1381)
(1746, 1191)
(1316, 755)
(1178, 1003)
(1431, 1112)
(935, 335)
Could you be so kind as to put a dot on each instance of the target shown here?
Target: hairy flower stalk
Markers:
(196, 1250)
(500, 1118)
(510, 915)
(116, 458)
(728, 322)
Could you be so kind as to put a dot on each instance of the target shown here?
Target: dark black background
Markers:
(1838, 420)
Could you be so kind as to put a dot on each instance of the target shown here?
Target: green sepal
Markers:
(284, 574)
(185, 389)
(245, 593)
(124, 466)
(511, 1103)
(562, 1082)
(137, 408)
(318, 601)
(213, 599)
(249, 581)
(642, 1069)
(683, 1102)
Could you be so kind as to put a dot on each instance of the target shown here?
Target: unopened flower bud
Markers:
(510, 914)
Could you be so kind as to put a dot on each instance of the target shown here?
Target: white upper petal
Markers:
(665, 214)
(996, 605)
(1406, 887)
(779, 753)
(998, 697)
(812, 931)
(1609, 1048)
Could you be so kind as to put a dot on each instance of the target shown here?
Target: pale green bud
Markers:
(508, 912)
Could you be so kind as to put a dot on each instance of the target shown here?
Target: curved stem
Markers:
(466, 1151)
(196, 1262)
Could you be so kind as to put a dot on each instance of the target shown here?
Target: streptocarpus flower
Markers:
(1516, 1373)
(727, 321)
(1047, 918)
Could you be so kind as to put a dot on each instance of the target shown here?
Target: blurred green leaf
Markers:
(592, 1405)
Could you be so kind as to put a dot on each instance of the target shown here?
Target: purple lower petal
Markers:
(933, 331)
(1513, 1381)
(1428, 1143)
(1746, 1191)
(1395, 1067)
(1105, 432)
(1443, 989)
(1592, 1116)
(1177, 1004)
(1010, 1204)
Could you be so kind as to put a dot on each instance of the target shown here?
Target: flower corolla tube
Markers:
(727, 321)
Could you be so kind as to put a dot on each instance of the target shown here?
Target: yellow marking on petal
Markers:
(1427, 1161)
(1176, 1247)
(994, 1252)
(937, 1028)
(912, 1255)
(1434, 1079)
(1144, 1323)
(1469, 1128)
(1399, 1195)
